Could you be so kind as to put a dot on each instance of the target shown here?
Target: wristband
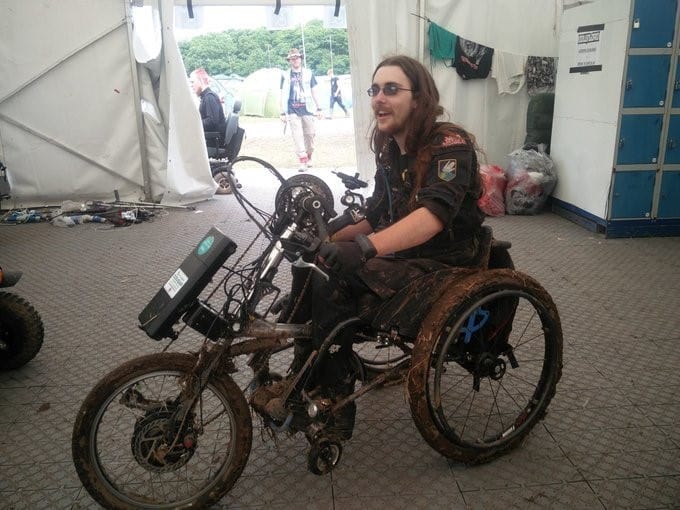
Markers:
(368, 251)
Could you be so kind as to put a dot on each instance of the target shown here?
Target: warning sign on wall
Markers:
(588, 39)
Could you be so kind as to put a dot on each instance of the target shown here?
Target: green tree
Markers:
(244, 51)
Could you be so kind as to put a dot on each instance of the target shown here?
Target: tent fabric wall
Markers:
(79, 118)
(261, 93)
(523, 27)
(72, 120)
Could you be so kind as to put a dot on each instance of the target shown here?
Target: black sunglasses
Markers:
(390, 89)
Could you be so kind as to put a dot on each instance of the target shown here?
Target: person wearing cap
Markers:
(297, 87)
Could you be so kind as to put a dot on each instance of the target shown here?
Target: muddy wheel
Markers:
(485, 365)
(323, 456)
(21, 331)
(377, 357)
(131, 451)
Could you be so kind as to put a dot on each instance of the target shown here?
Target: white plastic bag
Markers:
(531, 179)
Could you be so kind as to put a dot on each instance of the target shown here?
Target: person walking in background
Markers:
(336, 95)
(210, 108)
(297, 87)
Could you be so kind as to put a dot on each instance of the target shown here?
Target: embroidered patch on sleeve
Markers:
(453, 139)
(447, 169)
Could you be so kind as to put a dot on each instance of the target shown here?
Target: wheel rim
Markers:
(222, 180)
(481, 393)
(379, 357)
(118, 440)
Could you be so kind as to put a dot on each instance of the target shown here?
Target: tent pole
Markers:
(137, 97)
(421, 30)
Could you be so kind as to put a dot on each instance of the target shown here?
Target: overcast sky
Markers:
(216, 19)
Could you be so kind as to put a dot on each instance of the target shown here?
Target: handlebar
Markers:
(351, 182)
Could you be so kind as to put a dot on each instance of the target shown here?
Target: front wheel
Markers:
(21, 331)
(485, 366)
(131, 448)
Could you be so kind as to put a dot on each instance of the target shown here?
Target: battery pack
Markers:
(179, 293)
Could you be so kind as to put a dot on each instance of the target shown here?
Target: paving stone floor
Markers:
(610, 440)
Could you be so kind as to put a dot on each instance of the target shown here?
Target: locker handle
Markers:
(629, 84)
(671, 144)
(676, 86)
(622, 142)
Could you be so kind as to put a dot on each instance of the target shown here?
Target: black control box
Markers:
(181, 290)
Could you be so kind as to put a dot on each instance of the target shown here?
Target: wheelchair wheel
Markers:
(485, 366)
(378, 357)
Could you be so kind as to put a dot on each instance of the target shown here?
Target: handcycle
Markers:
(482, 356)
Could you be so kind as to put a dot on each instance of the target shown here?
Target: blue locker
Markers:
(646, 80)
(653, 24)
(669, 199)
(673, 141)
(676, 86)
(639, 139)
(632, 194)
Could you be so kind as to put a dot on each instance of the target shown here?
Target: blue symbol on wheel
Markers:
(475, 322)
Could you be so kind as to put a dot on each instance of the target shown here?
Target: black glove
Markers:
(345, 257)
(338, 223)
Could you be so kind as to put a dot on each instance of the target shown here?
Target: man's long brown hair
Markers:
(421, 124)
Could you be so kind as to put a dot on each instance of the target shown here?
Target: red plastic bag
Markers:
(492, 201)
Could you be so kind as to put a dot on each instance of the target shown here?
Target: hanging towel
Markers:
(442, 42)
(472, 60)
(508, 70)
(541, 72)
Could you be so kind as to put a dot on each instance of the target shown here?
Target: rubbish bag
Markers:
(492, 201)
(531, 180)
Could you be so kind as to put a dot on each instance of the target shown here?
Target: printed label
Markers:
(175, 283)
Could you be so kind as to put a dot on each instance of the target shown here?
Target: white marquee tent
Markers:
(86, 110)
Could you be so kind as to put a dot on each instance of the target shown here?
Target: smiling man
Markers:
(422, 217)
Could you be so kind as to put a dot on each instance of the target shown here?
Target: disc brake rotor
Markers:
(152, 442)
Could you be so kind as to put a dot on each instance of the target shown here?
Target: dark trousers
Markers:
(328, 303)
(337, 99)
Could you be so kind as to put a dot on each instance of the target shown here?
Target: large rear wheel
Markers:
(485, 365)
(132, 449)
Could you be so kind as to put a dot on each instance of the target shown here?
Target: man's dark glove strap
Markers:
(368, 251)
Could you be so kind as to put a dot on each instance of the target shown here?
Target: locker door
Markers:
(639, 139)
(646, 79)
(669, 198)
(632, 194)
(673, 141)
(653, 24)
(676, 85)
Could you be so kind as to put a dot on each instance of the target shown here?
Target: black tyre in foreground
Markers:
(21, 331)
(129, 452)
(485, 365)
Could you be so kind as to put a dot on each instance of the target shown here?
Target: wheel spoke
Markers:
(487, 389)
(144, 456)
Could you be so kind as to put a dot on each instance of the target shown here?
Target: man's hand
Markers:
(338, 223)
(283, 117)
(345, 257)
